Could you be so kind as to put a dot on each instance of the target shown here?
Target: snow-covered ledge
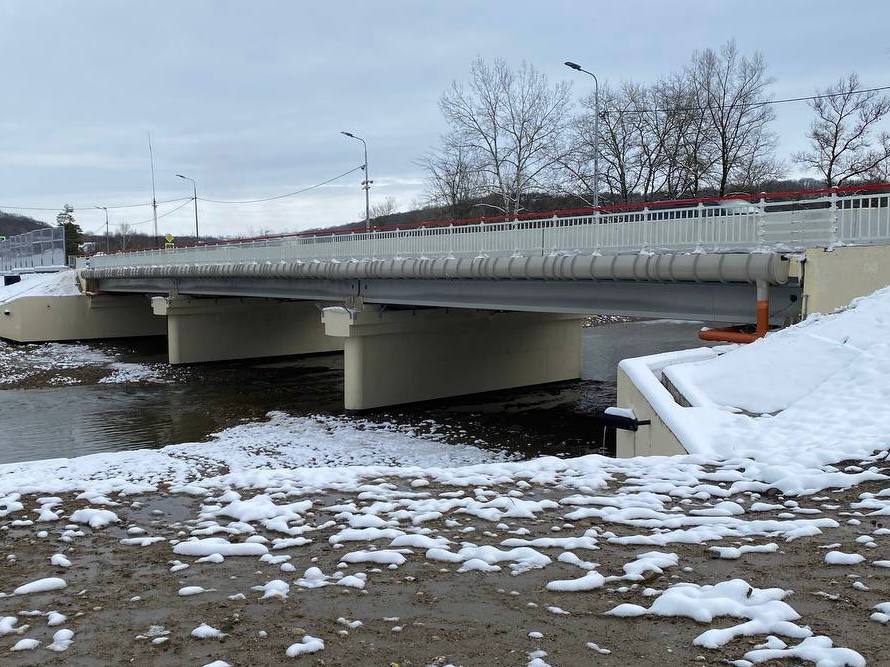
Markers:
(798, 399)
(640, 389)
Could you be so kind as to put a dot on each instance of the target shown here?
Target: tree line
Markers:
(513, 136)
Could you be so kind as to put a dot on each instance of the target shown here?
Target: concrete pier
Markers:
(201, 330)
(404, 356)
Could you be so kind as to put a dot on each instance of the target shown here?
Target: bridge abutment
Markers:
(49, 318)
(210, 329)
(404, 356)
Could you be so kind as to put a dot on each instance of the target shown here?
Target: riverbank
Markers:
(238, 552)
(329, 539)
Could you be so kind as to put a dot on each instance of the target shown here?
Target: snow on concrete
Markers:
(792, 403)
(62, 283)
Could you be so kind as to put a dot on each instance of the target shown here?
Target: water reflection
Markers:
(555, 419)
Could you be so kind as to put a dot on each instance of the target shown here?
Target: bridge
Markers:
(441, 309)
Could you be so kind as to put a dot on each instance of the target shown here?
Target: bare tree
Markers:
(842, 134)
(387, 207)
(124, 230)
(731, 89)
(453, 180)
(690, 155)
(511, 123)
(619, 146)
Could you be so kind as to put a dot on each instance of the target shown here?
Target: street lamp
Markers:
(366, 184)
(195, 191)
(107, 237)
(596, 131)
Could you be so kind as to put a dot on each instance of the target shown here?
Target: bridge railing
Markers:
(721, 226)
(39, 249)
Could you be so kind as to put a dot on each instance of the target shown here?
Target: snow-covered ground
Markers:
(58, 364)
(342, 513)
(327, 451)
(597, 538)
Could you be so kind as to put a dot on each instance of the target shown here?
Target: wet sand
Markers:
(445, 617)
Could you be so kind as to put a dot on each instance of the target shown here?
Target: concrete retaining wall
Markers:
(653, 439)
(38, 319)
(834, 278)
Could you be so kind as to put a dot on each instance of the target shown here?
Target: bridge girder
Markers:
(716, 302)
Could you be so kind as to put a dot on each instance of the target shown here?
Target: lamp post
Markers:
(107, 237)
(596, 131)
(366, 184)
(195, 191)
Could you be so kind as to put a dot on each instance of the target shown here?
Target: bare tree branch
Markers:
(841, 135)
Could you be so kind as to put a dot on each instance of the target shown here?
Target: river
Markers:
(83, 419)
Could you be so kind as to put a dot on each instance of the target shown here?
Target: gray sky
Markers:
(249, 97)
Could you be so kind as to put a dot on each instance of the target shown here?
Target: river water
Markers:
(82, 419)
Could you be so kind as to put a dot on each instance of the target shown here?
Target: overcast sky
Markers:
(249, 97)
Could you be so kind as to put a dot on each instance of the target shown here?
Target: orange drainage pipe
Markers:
(735, 334)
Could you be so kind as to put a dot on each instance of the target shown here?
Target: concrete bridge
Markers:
(442, 309)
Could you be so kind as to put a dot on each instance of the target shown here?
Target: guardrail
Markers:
(40, 249)
(728, 225)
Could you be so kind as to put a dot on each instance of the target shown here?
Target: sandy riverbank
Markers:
(120, 597)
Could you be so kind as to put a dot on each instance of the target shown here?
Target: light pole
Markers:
(366, 184)
(195, 191)
(107, 237)
(596, 131)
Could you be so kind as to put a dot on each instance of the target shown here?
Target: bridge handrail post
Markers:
(699, 215)
(835, 218)
(646, 222)
(761, 220)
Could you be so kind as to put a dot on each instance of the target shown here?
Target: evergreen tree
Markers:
(73, 232)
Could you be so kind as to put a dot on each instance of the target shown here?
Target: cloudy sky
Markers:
(249, 97)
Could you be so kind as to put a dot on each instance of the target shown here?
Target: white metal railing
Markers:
(726, 226)
(38, 249)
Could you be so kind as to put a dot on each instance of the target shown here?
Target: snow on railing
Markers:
(823, 218)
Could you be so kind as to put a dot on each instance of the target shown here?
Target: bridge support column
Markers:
(200, 330)
(404, 356)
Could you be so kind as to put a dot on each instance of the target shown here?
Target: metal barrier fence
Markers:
(40, 249)
(723, 226)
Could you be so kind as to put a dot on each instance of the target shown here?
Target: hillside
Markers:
(12, 224)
